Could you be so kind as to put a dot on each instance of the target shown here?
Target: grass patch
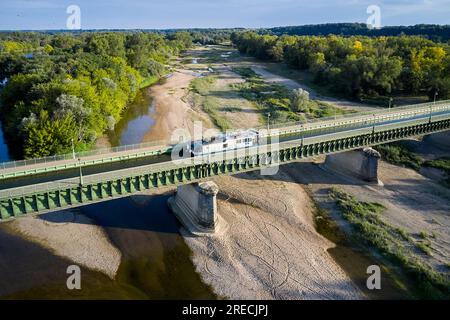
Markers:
(211, 106)
(201, 88)
(423, 235)
(441, 163)
(405, 235)
(397, 153)
(276, 99)
(231, 109)
(327, 227)
(370, 229)
(425, 247)
(149, 81)
(203, 85)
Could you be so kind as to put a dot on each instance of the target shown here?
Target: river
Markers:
(155, 262)
(4, 152)
(136, 121)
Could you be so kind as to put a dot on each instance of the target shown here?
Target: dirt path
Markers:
(291, 84)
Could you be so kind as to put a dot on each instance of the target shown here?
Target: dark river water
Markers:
(135, 122)
(4, 152)
(155, 262)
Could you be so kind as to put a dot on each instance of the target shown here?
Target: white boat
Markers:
(225, 142)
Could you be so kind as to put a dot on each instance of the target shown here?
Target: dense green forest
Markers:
(75, 86)
(430, 31)
(359, 66)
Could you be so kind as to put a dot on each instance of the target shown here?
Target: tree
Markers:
(73, 106)
(184, 38)
(299, 100)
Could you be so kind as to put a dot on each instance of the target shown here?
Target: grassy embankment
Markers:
(149, 81)
(399, 153)
(395, 244)
(275, 99)
(201, 88)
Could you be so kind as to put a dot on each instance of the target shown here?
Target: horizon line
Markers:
(216, 28)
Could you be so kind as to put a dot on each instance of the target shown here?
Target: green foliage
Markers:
(182, 37)
(424, 247)
(371, 229)
(396, 153)
(149, 81)
(299, 100)
(49, 136)
(430, 31)
(75, 85)
(441, 163)
(283, 104)
(203, 85)
(359, 66)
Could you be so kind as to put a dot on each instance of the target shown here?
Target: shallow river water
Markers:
(4, 152)
(155, 260)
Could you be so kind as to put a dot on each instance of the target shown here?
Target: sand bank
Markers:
(270, 249)
(73, 236)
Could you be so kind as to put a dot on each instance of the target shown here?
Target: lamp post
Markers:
(81, 172)
(434, 103)
(268, 123)
(390, 103)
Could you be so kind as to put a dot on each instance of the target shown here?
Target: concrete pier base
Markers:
(195, 206)
(361, 164)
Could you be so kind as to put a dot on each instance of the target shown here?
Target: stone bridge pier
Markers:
(195, 206)
(361, 164)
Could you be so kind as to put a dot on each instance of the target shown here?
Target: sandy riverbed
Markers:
(413, 202)
(270, 248)
(71, 235)
(172, 110)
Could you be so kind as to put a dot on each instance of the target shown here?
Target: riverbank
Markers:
(173, 110)
(270, 249)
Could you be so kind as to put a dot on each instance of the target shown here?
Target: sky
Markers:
(164, 14)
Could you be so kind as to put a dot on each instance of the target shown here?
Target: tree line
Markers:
(430, 31)
(73, 87)
(359, 66)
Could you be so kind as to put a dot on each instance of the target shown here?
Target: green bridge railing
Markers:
(98, 187)
(107, 155)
